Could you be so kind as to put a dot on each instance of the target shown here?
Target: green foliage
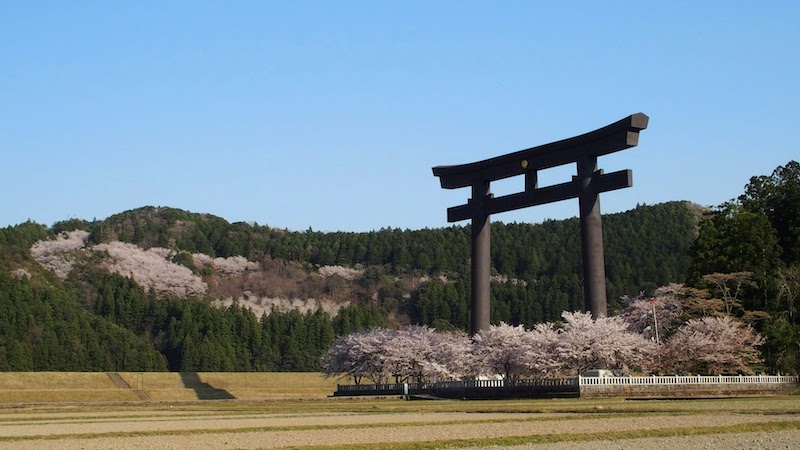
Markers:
(16, 241)
(185, 259)
(777, 197)
(735, 239)
(296, 340)
(200, 337)
(759, 234)
(47, 329)
(541, 266)
(358, 317)
(70, 225)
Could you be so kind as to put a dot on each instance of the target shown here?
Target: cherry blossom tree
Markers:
(420, 354)
(656, 317)
(513, 352)
(455, 353)
(712, 345)
(543, 355)
(405, 353)
(231, 266)
(604, 343)
(55, 254)
(417, 354)
(358, 355)
(347, 273)
(152, 269)
(503, 350)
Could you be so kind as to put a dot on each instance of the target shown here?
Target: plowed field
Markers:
(554, 424)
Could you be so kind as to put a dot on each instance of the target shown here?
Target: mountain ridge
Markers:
(291, 261)
(235, 296)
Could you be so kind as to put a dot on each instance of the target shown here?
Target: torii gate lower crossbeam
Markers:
(585, 186)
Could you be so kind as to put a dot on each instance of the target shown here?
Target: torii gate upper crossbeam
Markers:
(609, 139)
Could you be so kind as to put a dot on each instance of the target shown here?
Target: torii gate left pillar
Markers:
(481, 255)
(586, 187)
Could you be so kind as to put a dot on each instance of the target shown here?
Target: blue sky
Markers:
(330, 115)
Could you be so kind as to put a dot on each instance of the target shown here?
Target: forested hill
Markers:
(643, 246)
(187, 291)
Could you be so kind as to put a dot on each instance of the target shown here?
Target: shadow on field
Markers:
(203, 390)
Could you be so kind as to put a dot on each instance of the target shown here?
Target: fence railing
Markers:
(579, 381)
(369, 387)
(469, 384)
(466, 384)
(668, 380)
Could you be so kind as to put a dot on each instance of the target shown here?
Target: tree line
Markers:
(47, 329)
(196, 336)
(519, 250)
(114, 325)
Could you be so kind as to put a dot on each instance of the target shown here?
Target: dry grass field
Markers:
(57, 387)
(263, 411)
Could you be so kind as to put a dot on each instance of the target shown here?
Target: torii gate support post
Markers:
(594, 270)
(481, 255)
(586, 187)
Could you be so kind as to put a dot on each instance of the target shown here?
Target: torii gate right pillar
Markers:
(594, 271)
(481, 255)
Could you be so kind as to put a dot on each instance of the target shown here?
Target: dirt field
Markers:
(776, 440)
(390, 423)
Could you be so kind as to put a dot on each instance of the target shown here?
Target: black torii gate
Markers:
(586, 187)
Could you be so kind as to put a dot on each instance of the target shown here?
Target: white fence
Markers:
(469, 384)
(670, 380)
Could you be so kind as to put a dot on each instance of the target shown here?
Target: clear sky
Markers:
(331, 114)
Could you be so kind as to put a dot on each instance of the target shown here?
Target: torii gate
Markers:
(586, 187)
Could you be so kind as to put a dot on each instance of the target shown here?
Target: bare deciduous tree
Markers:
(730, 286)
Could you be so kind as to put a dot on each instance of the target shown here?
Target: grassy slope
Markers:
(59, 387)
